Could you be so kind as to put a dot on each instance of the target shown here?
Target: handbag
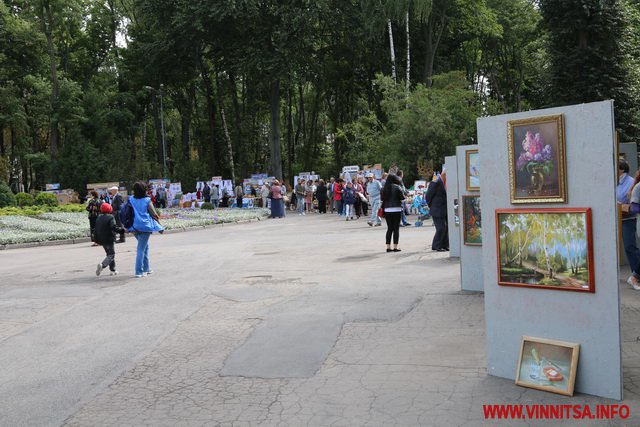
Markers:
(380, 213)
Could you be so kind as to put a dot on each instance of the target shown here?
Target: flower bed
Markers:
(67, 225)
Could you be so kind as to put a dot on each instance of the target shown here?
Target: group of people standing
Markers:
(353, 198)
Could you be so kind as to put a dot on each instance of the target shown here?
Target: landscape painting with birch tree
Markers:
(548, 248)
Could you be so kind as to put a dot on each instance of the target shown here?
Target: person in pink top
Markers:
(277, 205)
(337, 195)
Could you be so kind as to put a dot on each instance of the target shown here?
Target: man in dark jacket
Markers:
(116, 204)
(105, 234)
(436, 198)
(206, 193)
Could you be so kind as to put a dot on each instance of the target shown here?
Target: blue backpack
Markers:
(126, 215)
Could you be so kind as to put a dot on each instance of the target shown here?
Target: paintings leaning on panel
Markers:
(473, 170)
(548, 365)
(472, 220)
(545, 248)
(537, 172)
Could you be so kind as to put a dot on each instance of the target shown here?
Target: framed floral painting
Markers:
(537, 165)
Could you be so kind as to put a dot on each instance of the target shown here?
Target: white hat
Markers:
(113, 188)
(369, 175)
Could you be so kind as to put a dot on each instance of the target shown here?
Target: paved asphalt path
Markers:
(288, 322)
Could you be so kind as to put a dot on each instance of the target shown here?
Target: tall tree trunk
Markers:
(289, 132)
(211, 115)
(275, 159)
(157, 124)
(233, 90)
(47, 29)
(226, 131)
(2, 149)
(393, 52)
(433, 33)
(408, 82)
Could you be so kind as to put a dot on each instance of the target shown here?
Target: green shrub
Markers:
(36, 210)
(24, 199)
(206, 205)
(46, 199)
(72, 207)
(6, 196)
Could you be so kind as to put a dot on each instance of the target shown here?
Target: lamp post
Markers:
(164, 151)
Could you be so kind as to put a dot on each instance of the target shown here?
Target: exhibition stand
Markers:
(549, 195)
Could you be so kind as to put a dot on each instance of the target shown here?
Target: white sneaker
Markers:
(146, 273)
(634, 283)
(113, 273)
(98, 269)
(139, 276)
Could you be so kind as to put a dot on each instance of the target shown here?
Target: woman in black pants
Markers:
(392, 197)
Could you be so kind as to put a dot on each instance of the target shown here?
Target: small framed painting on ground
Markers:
(472, 170)
(548, 365)
(537, 172)
(472, 220)
(545, 248)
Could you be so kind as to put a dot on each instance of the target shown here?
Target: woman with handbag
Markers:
(145, 222)
(392, 197)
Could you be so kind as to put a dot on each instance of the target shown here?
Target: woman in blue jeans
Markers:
(145, 222)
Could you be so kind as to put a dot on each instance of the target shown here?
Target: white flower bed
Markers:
(62, 225)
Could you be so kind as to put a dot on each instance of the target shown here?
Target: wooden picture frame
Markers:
(545, 248)
(471, 221)
(472, 170)
(548, 365)
(537, 163)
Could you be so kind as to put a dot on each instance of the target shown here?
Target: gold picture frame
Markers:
(472, 170)
(537, 162)
(548, 365)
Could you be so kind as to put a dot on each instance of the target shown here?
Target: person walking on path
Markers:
(145, 222)
(349, 198)
(161, 197)
(300, 191)
(106, 236)
(632, 209)
(392, 197)
(337, 195)
(308, 196)
(116, 203)
(623, 194)
(436, 198)
(321, 196)
(359, 195)
(264, 194)
(277, 205)
(403, 221)
(239, 195)
(207, 193)
(93, 207)
(215, 195)
(373, 190)
(332, 203)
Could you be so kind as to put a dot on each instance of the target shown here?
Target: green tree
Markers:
(593, 56)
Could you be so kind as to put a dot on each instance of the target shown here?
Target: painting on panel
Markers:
(545, 248)
(548, 365)
(473, 170)
(536, 160)
(472, 218)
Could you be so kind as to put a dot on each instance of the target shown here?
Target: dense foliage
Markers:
(89, 91)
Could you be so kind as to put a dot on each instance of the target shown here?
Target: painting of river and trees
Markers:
(545, 248)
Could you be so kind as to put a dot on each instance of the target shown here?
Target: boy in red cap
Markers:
(105, 234)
